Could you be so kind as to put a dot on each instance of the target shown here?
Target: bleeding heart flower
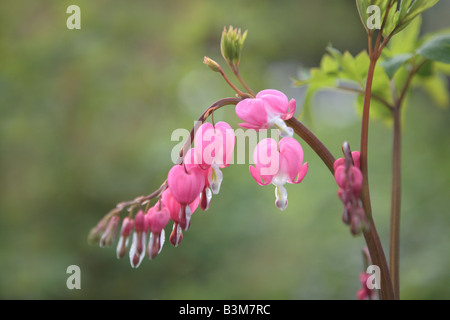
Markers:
(185, 185)
(214, 145)
(178, 215)
(278, 164)
(269, 108)
(213, 148)
(125, 231)
(157, 218)
(206, 194)
(137, 250)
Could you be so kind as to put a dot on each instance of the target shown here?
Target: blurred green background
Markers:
(86, 118)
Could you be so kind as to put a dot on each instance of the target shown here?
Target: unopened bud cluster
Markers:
(349, 179)
(231, 45)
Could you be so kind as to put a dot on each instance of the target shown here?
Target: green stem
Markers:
(238, 76)
(239, 92)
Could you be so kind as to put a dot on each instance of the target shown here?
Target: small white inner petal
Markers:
(162, 239)
(215, 179)
(281, 197)
(285, 131)
(188, 217)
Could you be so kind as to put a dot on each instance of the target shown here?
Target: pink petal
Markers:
(253, 127)
(292, 155)
(174, 206)
(157, 219)
(272, 93)
(252, 111)
(277, 102)
(204, 145)
(255, 174)
(228, 142)
(339, 176)
(266, 157)
(301, 173)
(185, 187)
(338, 162)
(356, 155)
(292, 106)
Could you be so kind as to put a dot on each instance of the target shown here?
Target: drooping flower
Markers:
(349, 178)
(213, 148)
(137, 250)
(158, 217)
(185, 187)
(269, 108)
(109, 234)
(176, 214)
(278, 164)
(125, 231)
(206, 194)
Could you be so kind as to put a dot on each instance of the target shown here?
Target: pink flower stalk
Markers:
(109, 234)
(185, 187)
(176, 214)
(269, 108)
(213, 148)
(125, 231)
(137, 250)
(349, 178)
(157, 218)
(278, 164)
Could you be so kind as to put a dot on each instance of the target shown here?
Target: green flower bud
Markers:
(214, 66)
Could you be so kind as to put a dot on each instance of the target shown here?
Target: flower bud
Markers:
(214, 66)
(137, 250)
(127, 227)
(177, 235)
(110, 232)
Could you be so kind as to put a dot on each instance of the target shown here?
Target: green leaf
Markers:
(419, 6)
(378, 110)
(442, 67)
(362, 62)
(362, 6)
(317, 78)
(348, 65)
(391, 65)
(436, 87)
(406, 41)
(437, 49)
(335, 53)
(391, 22)
(410, 10)
(328, 64)
(404, 7)
(427, 69)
